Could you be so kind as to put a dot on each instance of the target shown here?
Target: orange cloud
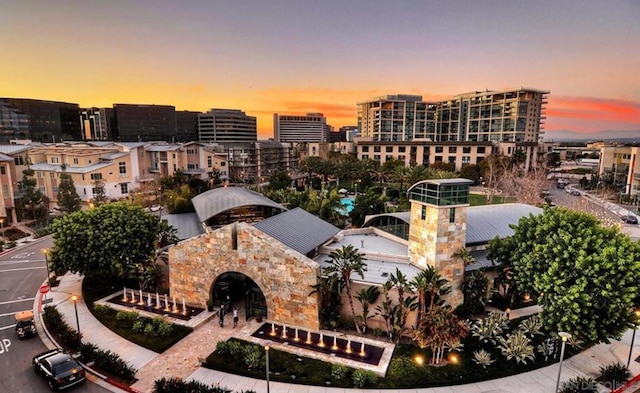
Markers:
(589, 108)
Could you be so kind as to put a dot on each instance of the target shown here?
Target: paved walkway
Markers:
(183, 359)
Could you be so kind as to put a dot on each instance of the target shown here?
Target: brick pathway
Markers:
(182, 359)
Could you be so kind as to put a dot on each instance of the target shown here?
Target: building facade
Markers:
(186, 126)
(311, 127)
(96, 124)
(253, 163)
(227, 125)
(49, 121)
(513, 115)
(13, 123)
(138, 123)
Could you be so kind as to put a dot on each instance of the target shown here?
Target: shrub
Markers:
(401, 367)
(63, 334)
(11, 244)
(482, 358)
(614, 375)
(107, 362)
(517, 346)
(176, 385)
(362, 378)
(138, 326)
(579, 385)
(101, 310)
(339, 372)
(161, 326)
(252, 357)
(127, 316)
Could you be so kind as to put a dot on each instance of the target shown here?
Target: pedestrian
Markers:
(235, 317)
(221, 315)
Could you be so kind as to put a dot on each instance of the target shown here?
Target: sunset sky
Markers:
(298, 56)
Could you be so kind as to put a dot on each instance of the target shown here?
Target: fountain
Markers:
(184, 307)
(341, 346)
(145, 301)
(158, 301)
(166, 303)
(149, 299)
(141, 301)
(133, 296)
(125, 298)
(175, 308)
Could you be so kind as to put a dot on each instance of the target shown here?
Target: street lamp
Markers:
(45, 251)
(266, 352)
(75, 306)
(636, 313)
(565, 336)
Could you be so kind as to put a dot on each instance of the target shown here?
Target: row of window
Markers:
(438, 149)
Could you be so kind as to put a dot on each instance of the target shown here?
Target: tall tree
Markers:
(99, 194)
(279, 181)
(589, 274)
(68, 198)
(367, 297)
(32, 198)
(106, 240)
(345, 262)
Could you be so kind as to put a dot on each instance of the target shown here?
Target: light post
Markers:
(46, 263)
(75, 306)
(636, 313)
(565, 336)
(266, 352)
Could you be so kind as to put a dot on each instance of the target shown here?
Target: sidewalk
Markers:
(182, 360)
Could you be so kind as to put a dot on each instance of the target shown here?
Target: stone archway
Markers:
(284, 276)
(233, 288)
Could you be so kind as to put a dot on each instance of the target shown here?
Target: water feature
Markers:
(133, 300)
(347, 203)
(317, 342)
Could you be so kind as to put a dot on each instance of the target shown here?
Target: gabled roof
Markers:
(188, 225)
(213, 202)
(298, 229)
(12, 149)
(43, 166)
(4, 157)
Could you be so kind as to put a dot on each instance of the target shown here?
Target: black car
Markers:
(629, 219)
(59, 369)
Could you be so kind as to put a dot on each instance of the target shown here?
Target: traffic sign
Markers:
(44, 289)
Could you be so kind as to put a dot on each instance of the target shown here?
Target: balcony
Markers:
(154, 169)
(193, 171)
(145, 178)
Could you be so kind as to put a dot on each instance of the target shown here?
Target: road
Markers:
(22, 271)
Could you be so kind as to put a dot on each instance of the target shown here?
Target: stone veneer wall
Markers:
(434, 240)
(284, 275)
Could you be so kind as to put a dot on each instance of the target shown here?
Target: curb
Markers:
(627, 385)
(51, 343)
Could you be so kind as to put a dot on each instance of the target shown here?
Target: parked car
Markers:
(575, 192)
(59, 369)
(25, 325)
(630, 219)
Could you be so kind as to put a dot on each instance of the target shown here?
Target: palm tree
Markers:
(380, 174)
(430, 287)
(465, 256)
(367, 297)
(402, 285)
(401, 174)
(345, 262)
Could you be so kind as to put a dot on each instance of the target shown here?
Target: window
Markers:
(54, 160)
(209, 161)
(466, 149)
(124, 188)
(123, 168)
(376, 157)
(439, 149)
(365, 149)
(453, 149)
(55, 189)
(452, 214)
(3, 170)
(389, 149)
(423, 214)
(192, 167)
(39, 174)
(365, 156)
(190, 152)
(5, 190)
(75, 160)
(223, 163)
(481, 149)
(402, 149)
(376, 149)
(52, 175)
(96, 176)
(19, 160)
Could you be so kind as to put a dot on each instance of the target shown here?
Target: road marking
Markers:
(7, 314)
(18, 301)
(23, 268)
(7, 327)
(22, 255)
(22, 261)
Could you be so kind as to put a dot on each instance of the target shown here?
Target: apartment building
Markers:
(7, 180)
(397, 117)
(620, 163)
(255, 162)
(424, 153)
(227, 126)
(513, 115)
(311, 127)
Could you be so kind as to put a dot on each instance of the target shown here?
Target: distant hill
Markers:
(568, 135)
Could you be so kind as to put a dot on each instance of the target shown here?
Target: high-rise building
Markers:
(397, 118)
(227, 125)
(514, 115)
(137, 123)
(49, 121)
(311, 127)
(349, 132)
(96, 124)
(187, 126)
(13, 123)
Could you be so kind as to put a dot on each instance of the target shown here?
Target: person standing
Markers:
(221, 315)
(235, 317)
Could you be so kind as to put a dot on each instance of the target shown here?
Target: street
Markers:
(22, 271)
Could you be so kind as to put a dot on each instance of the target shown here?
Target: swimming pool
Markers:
(347, 205)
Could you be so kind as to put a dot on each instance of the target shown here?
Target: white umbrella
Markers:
(342, 191)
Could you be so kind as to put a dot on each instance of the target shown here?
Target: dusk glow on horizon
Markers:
(297, 56)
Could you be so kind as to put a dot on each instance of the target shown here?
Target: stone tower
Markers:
(438, 228)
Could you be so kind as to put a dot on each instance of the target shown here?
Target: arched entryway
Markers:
(234, 289)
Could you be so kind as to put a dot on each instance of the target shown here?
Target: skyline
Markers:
(292, 57)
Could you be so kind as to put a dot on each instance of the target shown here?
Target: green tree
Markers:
(279, 181)
(471, 172)
(32, 199)
(68, 198)
(345, 262)
(365, 204)
(475, 291)
(367, 297)
(107, 240)
(589, 274)
(329, 290)
(99, 194)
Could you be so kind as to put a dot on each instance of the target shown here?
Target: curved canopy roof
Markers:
(213, 202)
